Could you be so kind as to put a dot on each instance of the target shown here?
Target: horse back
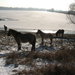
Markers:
(48, 35)
(26, 37)
(60, 31)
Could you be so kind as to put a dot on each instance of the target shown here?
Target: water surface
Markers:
(33, 20)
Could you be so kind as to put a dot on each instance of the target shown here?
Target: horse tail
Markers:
(34, 41)
(33, 44)
(51, 38)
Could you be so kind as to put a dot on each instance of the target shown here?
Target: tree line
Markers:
(32, 9)
(17, 8)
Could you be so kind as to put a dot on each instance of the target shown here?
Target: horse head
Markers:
(38, 31)
(9, 32)
(5, 28)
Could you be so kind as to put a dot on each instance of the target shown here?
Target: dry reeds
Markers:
(65, 57)
(50, 70)
(64, 60)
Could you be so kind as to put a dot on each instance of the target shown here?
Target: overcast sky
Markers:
(47, 4)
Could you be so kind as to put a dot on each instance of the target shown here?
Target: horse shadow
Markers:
(44, 47)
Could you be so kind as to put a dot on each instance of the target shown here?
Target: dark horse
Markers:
(45, 35)
(19, 37)
(60, 32)
(5, 28)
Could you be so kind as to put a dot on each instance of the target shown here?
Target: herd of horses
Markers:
(31, 38)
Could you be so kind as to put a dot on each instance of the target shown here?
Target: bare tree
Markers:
(71, 13)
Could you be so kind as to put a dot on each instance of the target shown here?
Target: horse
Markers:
(60, 32)
(23, 38)
(5, 28)
(45, 35)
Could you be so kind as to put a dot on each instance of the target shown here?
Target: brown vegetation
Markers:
(53, 62)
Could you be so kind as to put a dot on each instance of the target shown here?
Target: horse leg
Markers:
(51, 41)
(62, 34)
(33, 47)
(59, 35)
(19, 45)
(42, 41)
(33, 44)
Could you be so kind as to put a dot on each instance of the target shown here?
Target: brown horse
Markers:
(60, 32)
(45, 35)
(19, 37)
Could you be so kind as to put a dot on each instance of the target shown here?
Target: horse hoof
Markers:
(15, 65)
(18, 49)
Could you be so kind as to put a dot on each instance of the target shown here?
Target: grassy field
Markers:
(58, 59)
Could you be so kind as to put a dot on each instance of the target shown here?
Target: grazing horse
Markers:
(5, 28)
(45, 35)
(19, 37)
(60, 32)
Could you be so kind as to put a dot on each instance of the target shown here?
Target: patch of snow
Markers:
(4, 69)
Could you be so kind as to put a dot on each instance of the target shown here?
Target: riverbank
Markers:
(58, 58)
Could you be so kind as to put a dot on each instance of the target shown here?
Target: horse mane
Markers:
(14, 31)
(40, 31)
(60, 30)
